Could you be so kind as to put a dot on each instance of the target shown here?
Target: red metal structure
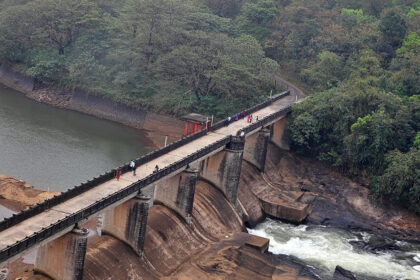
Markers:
(194, 123)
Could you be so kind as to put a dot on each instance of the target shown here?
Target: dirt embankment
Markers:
(157, 126)
(18, 195)
(333, 199)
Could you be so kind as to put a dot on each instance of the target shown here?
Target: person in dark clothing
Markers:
(133, 167)
(227, 121)
(156, 170)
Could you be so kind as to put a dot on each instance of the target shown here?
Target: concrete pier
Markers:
(127, 222)
(64, 257)
(177, 192)
(277, 134)
(224, 168)
(255, 150)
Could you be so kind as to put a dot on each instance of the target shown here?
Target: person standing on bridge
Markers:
(248, 118)
(227, 121)
(117, 174)
(133, 167)
(236, 117)
(156, 169)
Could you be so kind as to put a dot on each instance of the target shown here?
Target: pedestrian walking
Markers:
(117, 174)
(236, 117)
(227, 121)
(133, 167)
(242, 114)
(257, 118)
(156, 170)
(248, 118)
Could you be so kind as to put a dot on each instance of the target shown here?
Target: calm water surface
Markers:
(56, 149)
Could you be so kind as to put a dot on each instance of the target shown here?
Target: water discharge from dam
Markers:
(54, 149)
(325, 248)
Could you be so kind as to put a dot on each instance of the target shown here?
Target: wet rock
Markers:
(379, 243)
(343, 274)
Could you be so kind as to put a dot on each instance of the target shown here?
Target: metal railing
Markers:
(79, 189)
(266, 120)
(253, 109)
(72, 219)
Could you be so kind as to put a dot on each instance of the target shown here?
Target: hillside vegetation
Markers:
(362, 61)
(359, 58)
(173, 56)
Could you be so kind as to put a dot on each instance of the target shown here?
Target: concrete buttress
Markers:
(127, 222)
(177, 192)
(255, 150)
(277, 134)
(223, 169)
(64, 257)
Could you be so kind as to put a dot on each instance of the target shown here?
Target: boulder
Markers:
(343, 274)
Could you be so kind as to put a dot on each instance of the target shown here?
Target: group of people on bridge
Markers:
(132, 163)
(133, 167)
(249, 118)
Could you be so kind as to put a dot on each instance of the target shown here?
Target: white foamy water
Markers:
(325, 248)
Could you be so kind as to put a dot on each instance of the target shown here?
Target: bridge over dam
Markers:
(55, 226)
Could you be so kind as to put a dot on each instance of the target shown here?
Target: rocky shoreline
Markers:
(156, 126)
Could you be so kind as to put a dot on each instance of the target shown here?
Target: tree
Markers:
(256, 18)
(17, 32)
(224, 8)
(400, 182)
(393, 27)
(326, 73)
(416, 143)
(61, 22)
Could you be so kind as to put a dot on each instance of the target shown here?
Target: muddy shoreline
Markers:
(156, 126)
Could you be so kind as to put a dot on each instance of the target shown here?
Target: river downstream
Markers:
(54, 149)
(324, 248)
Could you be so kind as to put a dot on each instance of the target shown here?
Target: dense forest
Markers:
(357, 59)
(173, 56)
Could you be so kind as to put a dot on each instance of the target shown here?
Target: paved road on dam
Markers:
(34, 224)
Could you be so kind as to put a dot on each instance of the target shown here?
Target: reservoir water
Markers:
(55, 149)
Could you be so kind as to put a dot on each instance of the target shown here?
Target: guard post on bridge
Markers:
(198, 122)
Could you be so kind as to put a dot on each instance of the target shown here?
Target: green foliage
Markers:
(393, 27)
(256, 18)
(326, 73)
(173, 56)
(361, 122)
(351, 130)
(411, 43)
(416, 143)
(400, 182)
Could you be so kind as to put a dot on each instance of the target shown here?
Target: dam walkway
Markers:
(57, 216)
